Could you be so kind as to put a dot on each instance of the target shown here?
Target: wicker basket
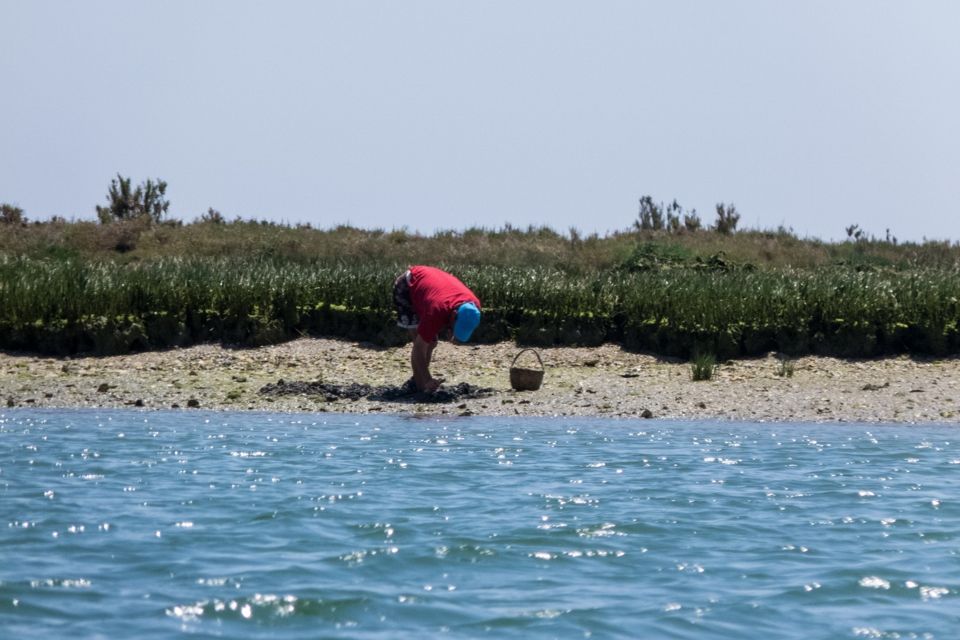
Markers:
(526, 379)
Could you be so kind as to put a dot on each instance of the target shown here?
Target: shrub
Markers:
(670, 217)
(126, 203)
(674, 211)
(691, 221)
(9, 214)
(727, 218)
(650, 216)
(212, 216)
(854, 232)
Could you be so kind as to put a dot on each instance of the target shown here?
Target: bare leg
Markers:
(420, 356)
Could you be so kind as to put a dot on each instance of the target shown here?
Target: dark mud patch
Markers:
(407, 392)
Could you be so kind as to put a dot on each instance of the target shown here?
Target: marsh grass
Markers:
(68, 287)
(703, 367)
(785, 367)
(70, 304)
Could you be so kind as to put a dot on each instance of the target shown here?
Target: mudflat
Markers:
(583, 381)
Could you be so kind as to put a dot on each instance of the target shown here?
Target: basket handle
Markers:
(534, 353)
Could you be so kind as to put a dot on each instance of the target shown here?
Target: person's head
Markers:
(468, 317)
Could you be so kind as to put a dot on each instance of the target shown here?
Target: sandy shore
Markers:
(603, 381)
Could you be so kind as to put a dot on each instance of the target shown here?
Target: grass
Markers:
(68, 287)
(140, 239)
(703, 367)
(677, 312)
(785, 368)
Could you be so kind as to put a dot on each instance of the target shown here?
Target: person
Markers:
(432, 303)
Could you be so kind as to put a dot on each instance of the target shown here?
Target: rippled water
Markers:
(153, 524)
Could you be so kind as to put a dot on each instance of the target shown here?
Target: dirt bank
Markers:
(602, 381)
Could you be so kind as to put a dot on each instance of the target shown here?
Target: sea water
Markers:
(126, 524)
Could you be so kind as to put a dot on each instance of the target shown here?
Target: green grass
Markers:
(65, 305)
(71, 287)
(786, 367)
(703, 367)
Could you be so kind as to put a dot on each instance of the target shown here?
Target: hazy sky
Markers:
(447, 114)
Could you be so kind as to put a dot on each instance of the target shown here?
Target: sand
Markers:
(603, 381)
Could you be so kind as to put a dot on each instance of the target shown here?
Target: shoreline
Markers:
(603, 381)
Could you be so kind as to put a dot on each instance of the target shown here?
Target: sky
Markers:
(444, 114)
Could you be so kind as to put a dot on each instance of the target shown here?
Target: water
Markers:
(161, 524)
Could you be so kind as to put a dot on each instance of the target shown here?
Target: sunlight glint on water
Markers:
(151, 524)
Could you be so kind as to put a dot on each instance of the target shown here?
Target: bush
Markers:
(727, 218)
(212, 216)
(650, 216)
(10, 214)
(126, 203)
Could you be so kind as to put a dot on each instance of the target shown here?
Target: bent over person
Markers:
(432, 303)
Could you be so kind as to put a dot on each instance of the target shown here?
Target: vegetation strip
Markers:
(672, 286)
(70, 306)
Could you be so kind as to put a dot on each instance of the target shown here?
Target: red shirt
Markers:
(435, 295)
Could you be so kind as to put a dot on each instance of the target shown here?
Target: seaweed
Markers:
(407, 392)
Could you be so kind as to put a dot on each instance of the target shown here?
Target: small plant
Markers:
(703, 367)
(785, 367)
(9, 214)
(650, 216)
(126, 203)
(727, 218)
(212, 216)
(855, 233)
(669, 217)
(674, 211)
